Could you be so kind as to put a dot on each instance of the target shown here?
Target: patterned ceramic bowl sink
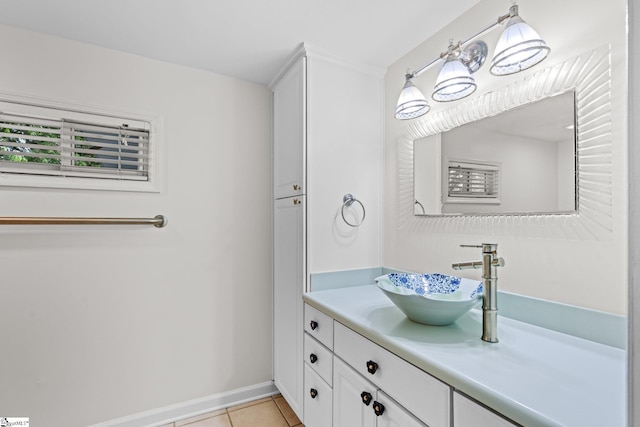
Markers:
(431, 299)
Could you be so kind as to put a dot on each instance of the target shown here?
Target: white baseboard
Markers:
(192, 408)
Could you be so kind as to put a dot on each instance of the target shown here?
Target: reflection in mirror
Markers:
(518, 162)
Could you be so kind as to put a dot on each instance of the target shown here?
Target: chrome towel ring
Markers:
(347, 201)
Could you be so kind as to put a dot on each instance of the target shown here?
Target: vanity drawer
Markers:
(423, 395)
(318, 400)
(319, 358)
(318, 325)
(467, 413)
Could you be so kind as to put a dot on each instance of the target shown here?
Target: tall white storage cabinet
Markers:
(289, 217)
(327, 142)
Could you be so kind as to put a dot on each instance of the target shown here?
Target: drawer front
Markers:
(319, 358)
(318, 325)
(423, 395)
(318, 398)
(467, 413)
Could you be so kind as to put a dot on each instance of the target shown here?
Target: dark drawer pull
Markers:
(313, 392)
(372, 367)
(366, 398)
(313, 358)
(314, 325)
(378, 408)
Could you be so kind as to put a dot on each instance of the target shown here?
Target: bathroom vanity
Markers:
(360, 361)
(366, 364)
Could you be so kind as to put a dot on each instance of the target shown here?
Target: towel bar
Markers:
(158, 221)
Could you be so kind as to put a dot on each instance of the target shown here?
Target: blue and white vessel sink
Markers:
(431, 299)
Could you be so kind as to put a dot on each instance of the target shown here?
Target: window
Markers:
(471, 180)
(45, 146)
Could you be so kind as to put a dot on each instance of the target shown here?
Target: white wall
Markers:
(566, 176)
(102, 322)
(634, 219)
(586, 272)
(528, 181)
(427, 175)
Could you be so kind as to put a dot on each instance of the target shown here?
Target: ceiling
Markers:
(551, 119)
(246, 39)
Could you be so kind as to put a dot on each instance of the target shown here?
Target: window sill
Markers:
(16, 180)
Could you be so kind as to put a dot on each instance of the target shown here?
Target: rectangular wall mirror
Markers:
(521, 161)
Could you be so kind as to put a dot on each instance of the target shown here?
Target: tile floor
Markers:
(268, 412)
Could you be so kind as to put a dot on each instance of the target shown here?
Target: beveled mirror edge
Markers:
(589, 74)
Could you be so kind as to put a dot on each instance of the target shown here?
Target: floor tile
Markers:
(200, 417)
(286, 410)
(254, 402)
(217, 421)
(265, 414)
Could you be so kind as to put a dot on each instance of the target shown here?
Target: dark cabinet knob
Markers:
(378, 408)
(314, 325)
(372, 367)
(313, 392)
(313, 358)
(366, 398)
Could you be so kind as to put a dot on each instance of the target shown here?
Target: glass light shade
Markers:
(520, 47)
(454, 81)
(411, 103)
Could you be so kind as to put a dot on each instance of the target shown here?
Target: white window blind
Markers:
(59, 144)
(474, 180)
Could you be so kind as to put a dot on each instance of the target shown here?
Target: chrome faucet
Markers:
(489, 265)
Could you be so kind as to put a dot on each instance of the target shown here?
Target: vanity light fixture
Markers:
(411, 102)
(454, 80)
(519, 48)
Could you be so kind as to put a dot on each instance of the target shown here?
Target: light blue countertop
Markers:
(534, 376)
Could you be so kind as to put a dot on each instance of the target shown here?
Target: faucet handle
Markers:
(487, 248)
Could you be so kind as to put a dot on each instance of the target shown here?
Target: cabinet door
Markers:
(394, 415)
(467, 413)
(349, 388)
(288, 284)
(289, 132)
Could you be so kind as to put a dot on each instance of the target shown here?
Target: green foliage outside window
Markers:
(49, 156)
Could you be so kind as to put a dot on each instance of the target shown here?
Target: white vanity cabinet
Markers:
(359, 403)
(318, 369)
(288, 280)
(423, 395)
(289, 131)
(326, 143)
(289, 231)
(467, 413)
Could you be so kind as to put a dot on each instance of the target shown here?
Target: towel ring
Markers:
(348, 200)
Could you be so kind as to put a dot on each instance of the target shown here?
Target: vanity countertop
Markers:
(534, 376)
